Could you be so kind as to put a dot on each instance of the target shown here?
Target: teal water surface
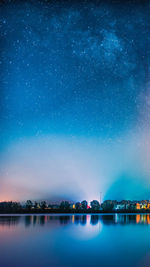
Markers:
(75, 240)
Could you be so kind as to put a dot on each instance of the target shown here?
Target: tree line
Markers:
(34, 205)
(66, 206)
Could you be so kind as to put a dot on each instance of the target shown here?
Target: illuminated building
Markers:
(138, 206)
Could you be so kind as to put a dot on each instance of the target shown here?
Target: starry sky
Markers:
(74, 99)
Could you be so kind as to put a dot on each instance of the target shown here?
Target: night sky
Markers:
(74, 100)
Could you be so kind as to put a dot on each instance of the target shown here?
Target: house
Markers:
(120, 206)
(138, 206)
(148, 205)
(72, 206)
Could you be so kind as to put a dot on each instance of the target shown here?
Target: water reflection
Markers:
(45, 240)
(106, 219)
(9, 220)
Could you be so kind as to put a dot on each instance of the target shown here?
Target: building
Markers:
(138, 206)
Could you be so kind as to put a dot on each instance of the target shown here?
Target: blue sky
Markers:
(74, 99)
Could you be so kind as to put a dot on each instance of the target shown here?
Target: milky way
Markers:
(75, 99)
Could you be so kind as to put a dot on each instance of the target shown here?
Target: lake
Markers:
(75, 240)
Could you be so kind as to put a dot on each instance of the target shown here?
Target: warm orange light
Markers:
(138, 217)
(138, 206)
(148, 219)
(73, 219)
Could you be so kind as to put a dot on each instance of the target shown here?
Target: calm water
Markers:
(75, 240)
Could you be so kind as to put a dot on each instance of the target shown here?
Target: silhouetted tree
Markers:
(84, 204)
(9, 205)
(78, 205)
(64, 205)
(35, 205)
(95, 205)
(108, 205)
(43, 205)
(16, 205)
(29, 204)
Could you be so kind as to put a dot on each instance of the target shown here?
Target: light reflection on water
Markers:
(32, 220)
(120, 240)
